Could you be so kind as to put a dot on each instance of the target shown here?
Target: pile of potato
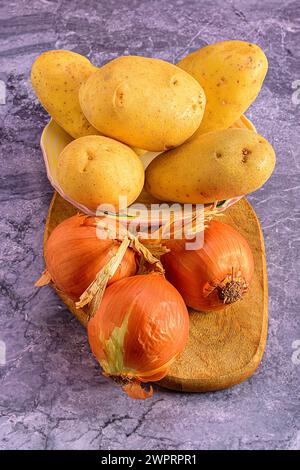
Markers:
(183, 111)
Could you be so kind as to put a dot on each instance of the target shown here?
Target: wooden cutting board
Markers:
(226, 347)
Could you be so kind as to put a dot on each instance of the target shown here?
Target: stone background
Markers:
(52, 395)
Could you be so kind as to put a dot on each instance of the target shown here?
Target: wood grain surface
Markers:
(226, 347)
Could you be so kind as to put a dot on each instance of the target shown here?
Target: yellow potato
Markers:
(231, 74)
(56, 77)
(96, 170)
(146, 103)
(212, 167)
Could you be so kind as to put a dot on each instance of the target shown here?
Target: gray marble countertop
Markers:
(52, 395)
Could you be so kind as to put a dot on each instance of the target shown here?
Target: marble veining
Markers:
(52, 395)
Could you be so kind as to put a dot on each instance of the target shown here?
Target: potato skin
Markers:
(212, 167)
(56, 77)
(96, 170)
(146, 103)
(231, 74)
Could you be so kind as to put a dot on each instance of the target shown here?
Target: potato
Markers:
(96, 170)
(56, 77)
(146, 103)
(231, 74)
(212, 167)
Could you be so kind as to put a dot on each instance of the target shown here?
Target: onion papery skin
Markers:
(74, 254)
(200, 275)
(140, 327)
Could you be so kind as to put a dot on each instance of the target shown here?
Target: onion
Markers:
(74, 254)
(215, 275)
(138, 330)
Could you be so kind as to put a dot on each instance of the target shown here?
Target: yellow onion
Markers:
(215, 275)
(74, 254)
(139, 329)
